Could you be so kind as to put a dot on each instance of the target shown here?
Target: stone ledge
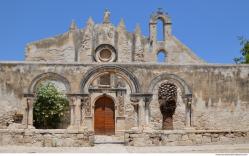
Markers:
(185, 137)
(46, 137)
(184, 131)
(119, 63)
(44, 131)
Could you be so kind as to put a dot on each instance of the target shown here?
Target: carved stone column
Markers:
(28, 99)
(79, 108)
(25, 114)
(135, 103)
(141, 110)
(85, 111)
(77, 111)
(188, 102)
(72, 104)
(86, 106)
(143, 101)
(120, 99)
(147, 100)
(30, 112)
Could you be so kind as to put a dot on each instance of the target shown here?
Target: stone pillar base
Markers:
(72, 127)
(31, 127)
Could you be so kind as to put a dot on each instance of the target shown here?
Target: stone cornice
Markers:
(113, 63)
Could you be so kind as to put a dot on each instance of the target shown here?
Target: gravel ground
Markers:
(120, 148)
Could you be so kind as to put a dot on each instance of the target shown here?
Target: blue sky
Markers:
(209, 27)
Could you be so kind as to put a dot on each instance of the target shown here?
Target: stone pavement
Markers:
(119, 148)
(110, 144)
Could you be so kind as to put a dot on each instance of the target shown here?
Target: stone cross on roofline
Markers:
(107, 14)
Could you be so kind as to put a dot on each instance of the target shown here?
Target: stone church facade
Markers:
(116, 87)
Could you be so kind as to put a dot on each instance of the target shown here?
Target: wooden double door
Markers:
(104, 116)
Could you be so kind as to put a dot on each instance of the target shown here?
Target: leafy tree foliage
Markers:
(244, 59)
(50, 107)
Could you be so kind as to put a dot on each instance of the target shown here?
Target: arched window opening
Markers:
(160, 30)
(167, 98)
(161, 57)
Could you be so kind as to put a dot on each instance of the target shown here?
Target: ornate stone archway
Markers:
(112, 80)
(96, 71)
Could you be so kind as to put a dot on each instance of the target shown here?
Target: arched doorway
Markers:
(104, 116)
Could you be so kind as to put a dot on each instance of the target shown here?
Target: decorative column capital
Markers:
(73, 101)
(29, 95)
(136, 97)
(30, 102)
(188, 99)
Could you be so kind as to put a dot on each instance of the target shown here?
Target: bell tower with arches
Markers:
(157, 45)
(157, 16)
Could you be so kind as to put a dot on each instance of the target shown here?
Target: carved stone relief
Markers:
(85, 102)
(106, 34)
(85, 43)
(120, 99)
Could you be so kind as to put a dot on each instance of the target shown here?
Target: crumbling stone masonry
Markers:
(115, 84)
(185, 138)
(46, 138)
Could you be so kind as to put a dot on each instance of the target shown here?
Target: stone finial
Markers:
(107, 14)
(73, 26)
(90, 21)
(121, 25)
(138, 30)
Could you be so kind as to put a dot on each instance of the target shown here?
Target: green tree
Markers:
(50, 107)
(244, 59)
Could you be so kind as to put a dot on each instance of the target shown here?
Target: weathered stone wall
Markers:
(6, 119)
(220, 92)
(80, 45)
(185, 138)
(46, 138)
(57, 49)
